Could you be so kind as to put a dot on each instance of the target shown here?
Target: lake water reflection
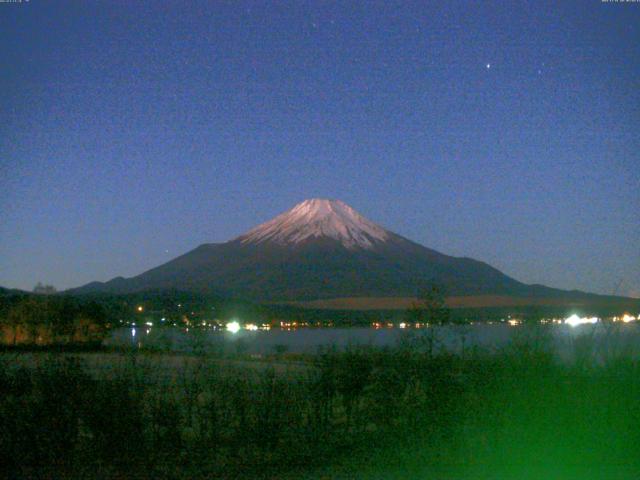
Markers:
(600, 338)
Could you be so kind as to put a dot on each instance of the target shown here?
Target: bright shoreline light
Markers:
(233, 327)
(574, 320)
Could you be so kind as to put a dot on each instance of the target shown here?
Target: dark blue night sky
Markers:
(131, 132)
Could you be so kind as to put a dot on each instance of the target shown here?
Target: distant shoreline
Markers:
(471, 301)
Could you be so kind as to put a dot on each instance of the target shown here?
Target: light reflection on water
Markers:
(308, 340)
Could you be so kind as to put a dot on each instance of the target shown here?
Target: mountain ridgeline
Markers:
(322, 249)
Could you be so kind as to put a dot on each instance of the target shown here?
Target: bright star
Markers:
(488, 66)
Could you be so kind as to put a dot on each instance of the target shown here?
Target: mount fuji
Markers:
(322, 249)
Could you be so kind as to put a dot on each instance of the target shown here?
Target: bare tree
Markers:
(429, 309)
(44, 289)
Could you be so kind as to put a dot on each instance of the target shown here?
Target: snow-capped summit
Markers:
(317, 218)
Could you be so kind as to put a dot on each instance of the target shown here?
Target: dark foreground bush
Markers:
(134, 417)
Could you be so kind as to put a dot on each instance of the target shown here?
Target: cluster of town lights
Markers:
(626, 318)
(574, 320)
(234, 326)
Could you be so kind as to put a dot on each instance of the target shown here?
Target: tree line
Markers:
(48, 319)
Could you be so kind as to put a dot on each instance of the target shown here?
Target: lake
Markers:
(600, 337)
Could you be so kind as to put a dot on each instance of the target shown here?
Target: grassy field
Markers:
(361, 413)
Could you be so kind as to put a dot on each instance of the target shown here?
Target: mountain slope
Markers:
(317, 250)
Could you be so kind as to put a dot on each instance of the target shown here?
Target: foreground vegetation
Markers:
(362, 412)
